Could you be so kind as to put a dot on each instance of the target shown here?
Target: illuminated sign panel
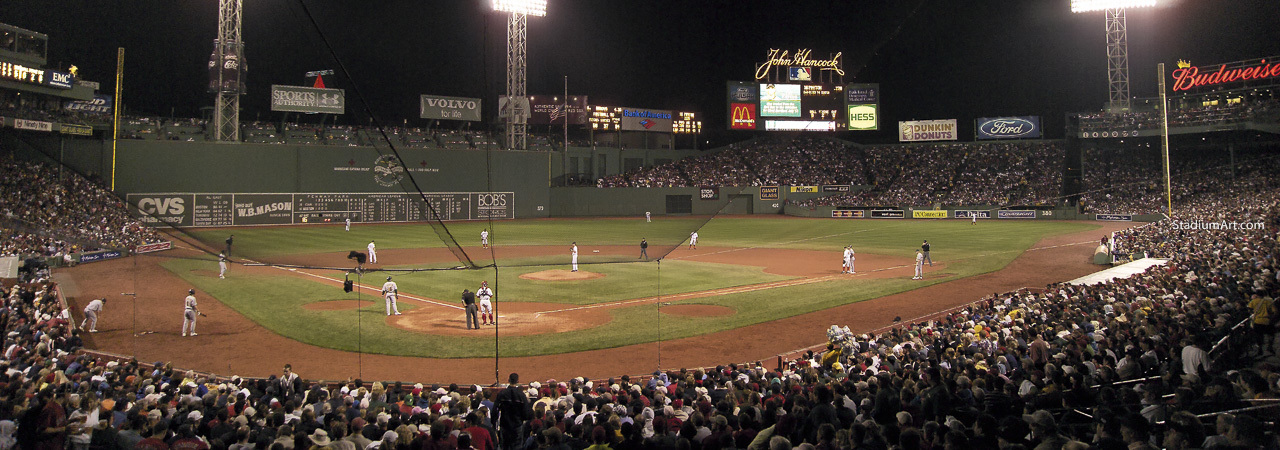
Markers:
(634, 119)
(449, 108)
(1187, 77)
(1008, 127)
(686, 123)
(742, 116)
(605, 118)
(927, 130)
(800, 74)
(800, 125)
(19, 72)
(800, 59)
(862, 93)
(864, 117)
(60, 80)
(780, 100)
(307, 100)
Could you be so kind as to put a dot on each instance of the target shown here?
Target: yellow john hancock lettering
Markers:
(780, 57)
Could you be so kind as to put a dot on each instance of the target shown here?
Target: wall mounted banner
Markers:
(550, 110)
(101, 104)
(887, 214)
(742, 116)
(1114, 217)
(100, 256)
(1022, 127)
(635, 119)
(804, 189)
(1016, 214)
(862, 93)
(769, 192)
(34, 125)
(709, 193)
(927, 130)
(969, 213)
(836, 188)
(449, 108)
(848, 214)
(78, 130)
(864, 117)
(939, 214)
(60, 80)
(307, 99)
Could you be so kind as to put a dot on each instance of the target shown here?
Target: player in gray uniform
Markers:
(91, 314)
(189, 313)
(484, 238)
(919, 266)
(348, 224)
(391, 292)
(222, 265)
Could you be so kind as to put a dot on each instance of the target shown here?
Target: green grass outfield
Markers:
(277, 302)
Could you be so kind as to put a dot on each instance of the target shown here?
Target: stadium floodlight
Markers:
(536, 8)
(1080, 6)
(1117, 44)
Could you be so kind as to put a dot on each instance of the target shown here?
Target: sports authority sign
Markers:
(450, 108)
(1023, 127)
(635, 119)
(927, 130)
(307, 100)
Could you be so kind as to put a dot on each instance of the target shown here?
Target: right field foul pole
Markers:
(1164, 143)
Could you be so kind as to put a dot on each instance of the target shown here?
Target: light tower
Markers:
(226, 69)
(517, 111)
(1117, 44)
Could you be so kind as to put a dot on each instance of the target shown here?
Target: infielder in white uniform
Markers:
(919, 266)
(391, 292)
(348, 224)
(574, 252)
(484, 238)
(222, 265)
(693, 240)
(189, 314)
(647, 217)
(91, 314)
(850, 260)
(844, 260)
(486, 307)
(373, 255)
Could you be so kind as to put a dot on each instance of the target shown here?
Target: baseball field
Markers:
(749, 289)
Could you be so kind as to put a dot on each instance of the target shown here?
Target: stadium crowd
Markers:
(1130, 180)
(761, 162)
(52, 213)
(1129, 363)
(1264, 110)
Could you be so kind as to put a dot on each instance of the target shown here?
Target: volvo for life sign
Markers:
(307, 100)
(450, 108)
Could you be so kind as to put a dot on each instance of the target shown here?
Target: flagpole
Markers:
(564, 159)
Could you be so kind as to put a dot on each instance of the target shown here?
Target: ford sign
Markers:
(1008, 127)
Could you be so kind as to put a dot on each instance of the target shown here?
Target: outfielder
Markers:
(975, 218)
(484, 238)
(647, 217)
(348, 224)
(91, 314)
(373, 255)
(391, 292)
(222, 265)
(486, 307)
(189, 314)
(693, 240)
(574, 251)
(919, 266)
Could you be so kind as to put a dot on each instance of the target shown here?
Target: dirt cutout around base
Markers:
(561, 275)
(336, 305)
(697, 310)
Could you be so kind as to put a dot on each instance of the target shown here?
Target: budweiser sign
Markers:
(1187, 77)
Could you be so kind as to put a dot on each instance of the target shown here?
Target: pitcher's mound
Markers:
(561, 275)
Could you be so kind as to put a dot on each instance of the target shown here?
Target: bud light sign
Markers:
(1021, 127)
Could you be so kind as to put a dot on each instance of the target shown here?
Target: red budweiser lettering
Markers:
(1190, 77)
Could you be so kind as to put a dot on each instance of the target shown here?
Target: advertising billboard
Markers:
(780, 100)
(886, 214)
(449, 108)
(60, 80)
(927, 130)
(1016, 214)
(307, 100)
(848, 214)
(769, 192)
(635, 119)
(800, 73)
(940, 214)
(1021, 127)
(804, 188)
(800, 125)
(970, 213)
(101, 104)
(33, 125)
(550, 109)
(742, 116)
(864, 117)
(1114, 217)
(709, 193)
(862, 93)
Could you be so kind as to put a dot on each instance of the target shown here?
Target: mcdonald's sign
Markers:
(742, 116)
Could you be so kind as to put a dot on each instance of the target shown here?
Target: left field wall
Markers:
(202, 167)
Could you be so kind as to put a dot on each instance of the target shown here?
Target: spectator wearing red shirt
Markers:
(480, 437)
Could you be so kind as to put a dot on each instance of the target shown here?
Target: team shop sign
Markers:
(927, 130)
(450, 108)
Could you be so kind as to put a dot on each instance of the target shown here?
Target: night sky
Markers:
(934, 59)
